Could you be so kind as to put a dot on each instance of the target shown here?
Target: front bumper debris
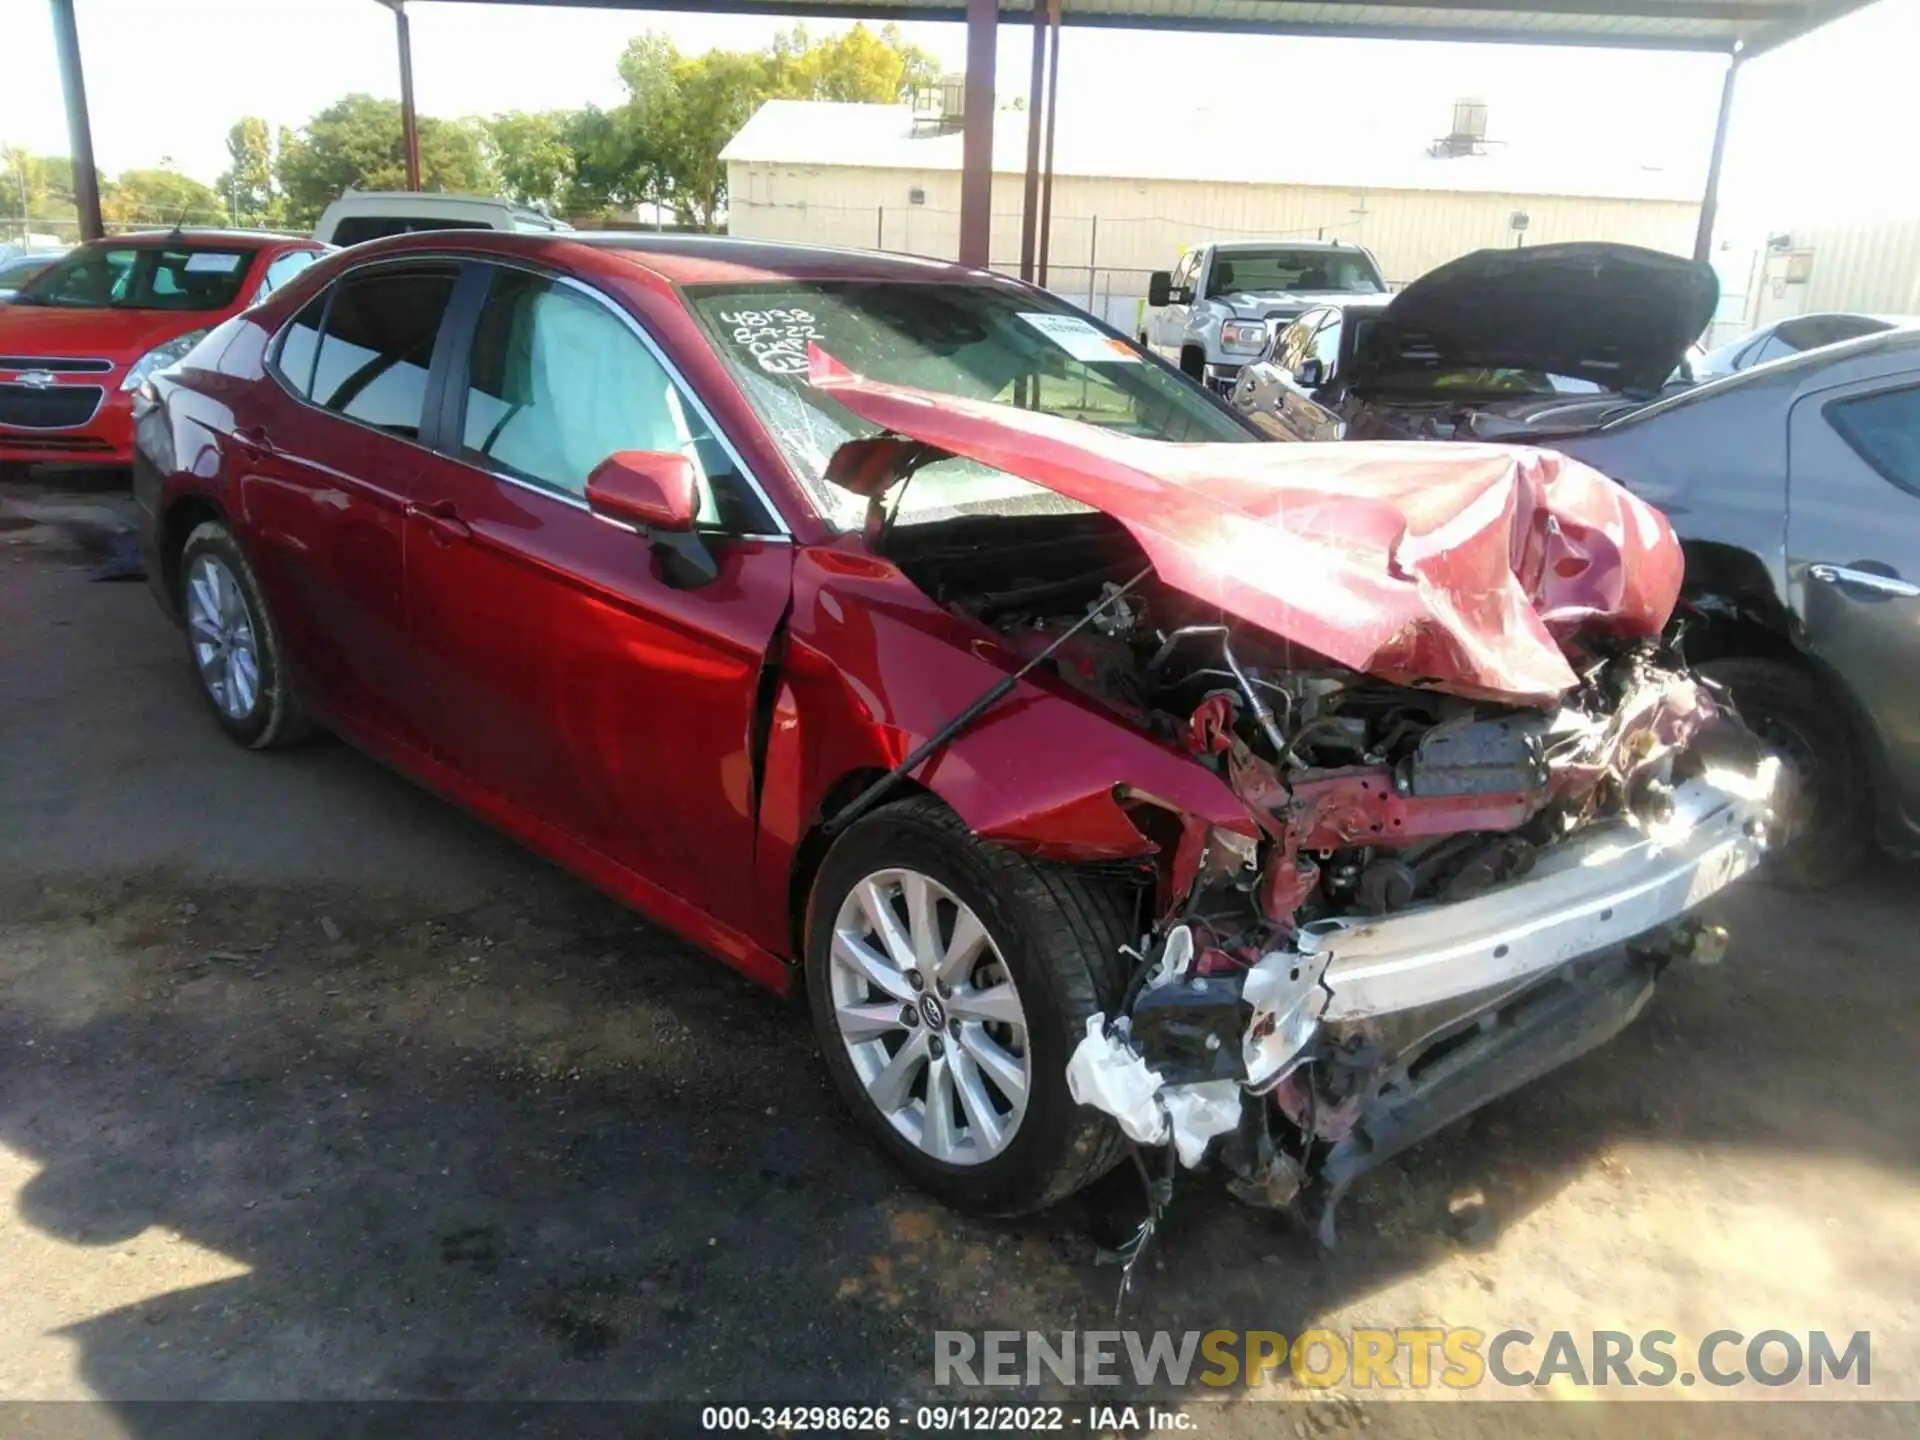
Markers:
(1369, 1035)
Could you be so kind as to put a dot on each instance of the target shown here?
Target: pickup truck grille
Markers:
(56, 407)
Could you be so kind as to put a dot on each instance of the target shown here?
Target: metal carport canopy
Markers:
(1747, 27)
(1739, 29)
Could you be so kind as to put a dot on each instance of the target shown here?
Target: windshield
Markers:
(141, 277)
(1344, 271)
(983, 342)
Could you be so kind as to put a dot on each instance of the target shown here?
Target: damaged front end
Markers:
(1451, 899)
(1485, 795)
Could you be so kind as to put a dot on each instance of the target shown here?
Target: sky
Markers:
(1814, 132)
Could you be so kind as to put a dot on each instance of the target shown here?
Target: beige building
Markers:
(1126, 204)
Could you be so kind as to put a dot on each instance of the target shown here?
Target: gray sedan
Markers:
(1795, 488)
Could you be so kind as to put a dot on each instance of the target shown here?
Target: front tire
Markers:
(949, 981)
(234, 645)
(1830, 825)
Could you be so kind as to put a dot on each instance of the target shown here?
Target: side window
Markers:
(373, 358)
(1775, 348)
(1884, 431)
(282, 270)
(299, 342)
(557, 382)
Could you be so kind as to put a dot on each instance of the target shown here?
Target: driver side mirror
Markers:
(1160, 288)
(657, 492)
(1312, 373)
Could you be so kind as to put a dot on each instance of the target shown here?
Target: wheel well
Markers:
(814, 845)
(179, 521)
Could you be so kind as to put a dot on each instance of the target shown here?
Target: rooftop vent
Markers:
(940, 108)
(1469, 133)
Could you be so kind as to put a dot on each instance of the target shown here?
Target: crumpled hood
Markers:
(1617, 315)
(1457, 567)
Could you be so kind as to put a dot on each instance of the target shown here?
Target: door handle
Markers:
(442, 519)
(1889, 585)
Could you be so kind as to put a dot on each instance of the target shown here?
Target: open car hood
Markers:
(1616, 315)
(1455, 567)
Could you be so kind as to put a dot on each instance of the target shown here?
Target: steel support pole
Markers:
(409, 117)
(86, 178)
(976, 145)
(1053, 112)
(1710, 202)
(1036, 102)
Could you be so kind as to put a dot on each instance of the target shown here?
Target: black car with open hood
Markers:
(1551, 339)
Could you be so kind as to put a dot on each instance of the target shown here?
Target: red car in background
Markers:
(1103, 777)
(79, 337)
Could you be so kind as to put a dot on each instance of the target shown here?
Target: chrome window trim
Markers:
(100, 400)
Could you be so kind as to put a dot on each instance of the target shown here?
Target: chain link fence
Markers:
(1100, 262)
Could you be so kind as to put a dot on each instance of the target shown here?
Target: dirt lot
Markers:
(311, 1087)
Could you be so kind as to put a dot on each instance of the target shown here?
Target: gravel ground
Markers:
(311, 1087)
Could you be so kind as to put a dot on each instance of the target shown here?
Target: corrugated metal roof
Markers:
(808, 133)
(1723, 25)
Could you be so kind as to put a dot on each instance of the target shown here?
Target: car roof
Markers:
(1284, 244)
(257, 239)
(1790, 373)
(691, 259)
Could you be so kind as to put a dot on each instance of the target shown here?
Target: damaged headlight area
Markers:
(1447, 899)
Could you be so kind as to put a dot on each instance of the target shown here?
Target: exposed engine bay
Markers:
(1369, 800)
(1371, 796)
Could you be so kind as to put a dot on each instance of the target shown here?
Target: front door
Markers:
(566, 675)
(1853, 552)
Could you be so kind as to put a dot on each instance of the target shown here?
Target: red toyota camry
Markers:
(80, 337)
(898, 631)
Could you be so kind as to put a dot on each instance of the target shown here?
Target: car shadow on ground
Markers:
(524, 1145)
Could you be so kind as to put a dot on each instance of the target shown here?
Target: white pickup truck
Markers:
(1216, 309)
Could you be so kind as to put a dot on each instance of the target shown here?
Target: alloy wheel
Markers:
(221, 631)
(930, 1016)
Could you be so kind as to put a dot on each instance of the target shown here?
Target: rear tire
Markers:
(1830, 828)
(1051, 934)
(233, 644)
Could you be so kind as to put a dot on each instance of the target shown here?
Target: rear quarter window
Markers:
(1884, 431)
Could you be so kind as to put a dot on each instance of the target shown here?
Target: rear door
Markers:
(1853, 546)
(561, 671)
(325, 475)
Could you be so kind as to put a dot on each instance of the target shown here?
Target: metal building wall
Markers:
(1108, 234)
(1872, 267)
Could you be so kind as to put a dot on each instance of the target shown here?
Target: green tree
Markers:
(247, 184)
(357, 141)
(857, 65)
(663, 144)
(38, 188)
(533, 155)
(159, 198)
